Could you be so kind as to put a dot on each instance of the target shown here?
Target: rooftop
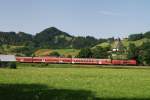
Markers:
(7, 58)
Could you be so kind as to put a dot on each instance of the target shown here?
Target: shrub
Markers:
(54, 53)
(12, 65)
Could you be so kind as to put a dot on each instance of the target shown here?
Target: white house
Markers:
(7, 58)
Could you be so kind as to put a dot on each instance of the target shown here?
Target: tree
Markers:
(85, 53)
(146, 57)
(79, 42)
(144, 53)
(110, 40)
(147, 34)
(100, 52)
(135, 37)
(54, 53)
(26, 51)
(132, 52)
(84, 42)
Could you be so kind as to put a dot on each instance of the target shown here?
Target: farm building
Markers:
(7, 58)
(7, 61)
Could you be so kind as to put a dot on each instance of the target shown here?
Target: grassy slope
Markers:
(104, 44)
(125, 43)
(43, 52)
(28, 83)
(137, 43)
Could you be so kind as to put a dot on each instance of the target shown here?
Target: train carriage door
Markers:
(100, 62)
(43, 59)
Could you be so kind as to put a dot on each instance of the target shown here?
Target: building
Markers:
(119, 50)
(118, 46)
(7, 61)
(7, 58)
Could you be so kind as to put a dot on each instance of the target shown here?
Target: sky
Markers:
(98, 18)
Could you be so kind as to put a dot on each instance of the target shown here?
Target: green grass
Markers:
(125, 42)
(137, 43)
(65, 52)
(30, 83)
(103, 45)
(8, 49)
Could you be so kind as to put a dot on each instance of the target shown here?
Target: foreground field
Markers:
(30, 83)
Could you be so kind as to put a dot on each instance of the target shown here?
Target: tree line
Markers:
(139, 36)
(140, 54)
(50, 38)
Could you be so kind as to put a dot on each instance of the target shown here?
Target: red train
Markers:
(91, 61)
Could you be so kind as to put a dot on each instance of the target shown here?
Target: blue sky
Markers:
(98, 18)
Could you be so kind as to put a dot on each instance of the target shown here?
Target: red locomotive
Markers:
(91, 61)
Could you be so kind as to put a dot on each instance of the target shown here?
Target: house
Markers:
(7, 61)
(7, 58)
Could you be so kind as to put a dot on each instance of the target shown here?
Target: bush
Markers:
(100, 52)
(54, 53)
(8, 65)
(85, 53)
(3, 64)
(13, 65)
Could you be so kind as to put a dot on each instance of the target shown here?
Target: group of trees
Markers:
(141, 54)
(12, 65)
(54, 54)
(97, 52)
(139, 36)
(12, 38)
(51, 38)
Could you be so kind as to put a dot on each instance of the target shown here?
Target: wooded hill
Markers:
(49, 38)
(54, 40)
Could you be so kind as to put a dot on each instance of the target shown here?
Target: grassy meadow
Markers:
(74, 82)
(65, 52)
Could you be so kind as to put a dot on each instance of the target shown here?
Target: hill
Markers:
(125, 43)
(25, 44)
(62, 52)
(52, 39)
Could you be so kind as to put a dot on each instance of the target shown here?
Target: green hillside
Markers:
(125, 42)
(63, 52)
(104, 44)
(49, 38)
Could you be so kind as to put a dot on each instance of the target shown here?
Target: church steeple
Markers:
(118, 46)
